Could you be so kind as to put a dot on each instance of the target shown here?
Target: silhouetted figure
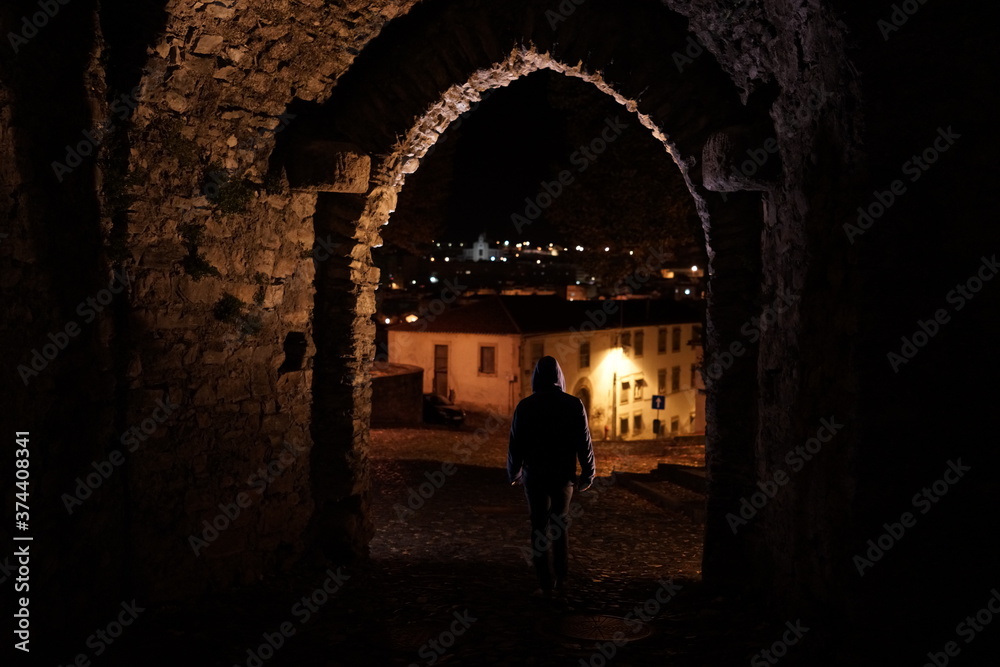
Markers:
(548, 434)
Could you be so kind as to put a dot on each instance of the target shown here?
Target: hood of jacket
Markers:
(548, 375)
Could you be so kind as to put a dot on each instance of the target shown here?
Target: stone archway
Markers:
(426, 104)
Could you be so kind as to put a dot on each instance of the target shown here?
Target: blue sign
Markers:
(659, 402)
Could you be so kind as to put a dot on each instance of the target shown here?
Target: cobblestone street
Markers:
(448, 581)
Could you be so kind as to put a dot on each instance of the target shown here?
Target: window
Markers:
(661, 381)
(675, 342)
(639, 340)
(584, 355)
(694, 375)
(487, 360)
(624, 425)
(661, 341)
(675, 379)
(675, 424)
(640, 385)
(626, 387)
(637, 422)
(626, 339)
(537, 352)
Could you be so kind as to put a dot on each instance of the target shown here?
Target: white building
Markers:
(481, 251)
(616, 356)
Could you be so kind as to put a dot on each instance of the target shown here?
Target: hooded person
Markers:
(548, 435)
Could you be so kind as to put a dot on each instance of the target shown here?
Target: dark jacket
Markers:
(549, 432)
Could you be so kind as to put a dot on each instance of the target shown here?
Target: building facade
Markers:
(483, 355)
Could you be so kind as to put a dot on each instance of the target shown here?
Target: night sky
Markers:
(488, 162)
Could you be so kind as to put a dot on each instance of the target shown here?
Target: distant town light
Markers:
(687, 291)
(506, 242)
(493, 258)
(413, 282)
(694, 268)
(503, 259)
(631, 252)
(433, 279)
(579, 248)
(447, 259)
(412, 318)
(432, 259)
(607, 249)
(387, 320)
(538, 261)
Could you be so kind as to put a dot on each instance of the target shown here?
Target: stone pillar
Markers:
(730, 373)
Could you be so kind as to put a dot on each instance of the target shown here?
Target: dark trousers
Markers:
(548, 505)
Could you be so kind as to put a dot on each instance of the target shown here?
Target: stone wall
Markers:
(231, 266)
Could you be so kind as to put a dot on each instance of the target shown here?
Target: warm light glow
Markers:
(432, 259)
(412, 318)
(694, 268)
(607, 249)
(387, 320)
(503, 259)
(447, 259)
(631, 252)
(538, 261)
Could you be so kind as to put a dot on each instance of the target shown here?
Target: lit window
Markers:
(639, 340)
(626, 388)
